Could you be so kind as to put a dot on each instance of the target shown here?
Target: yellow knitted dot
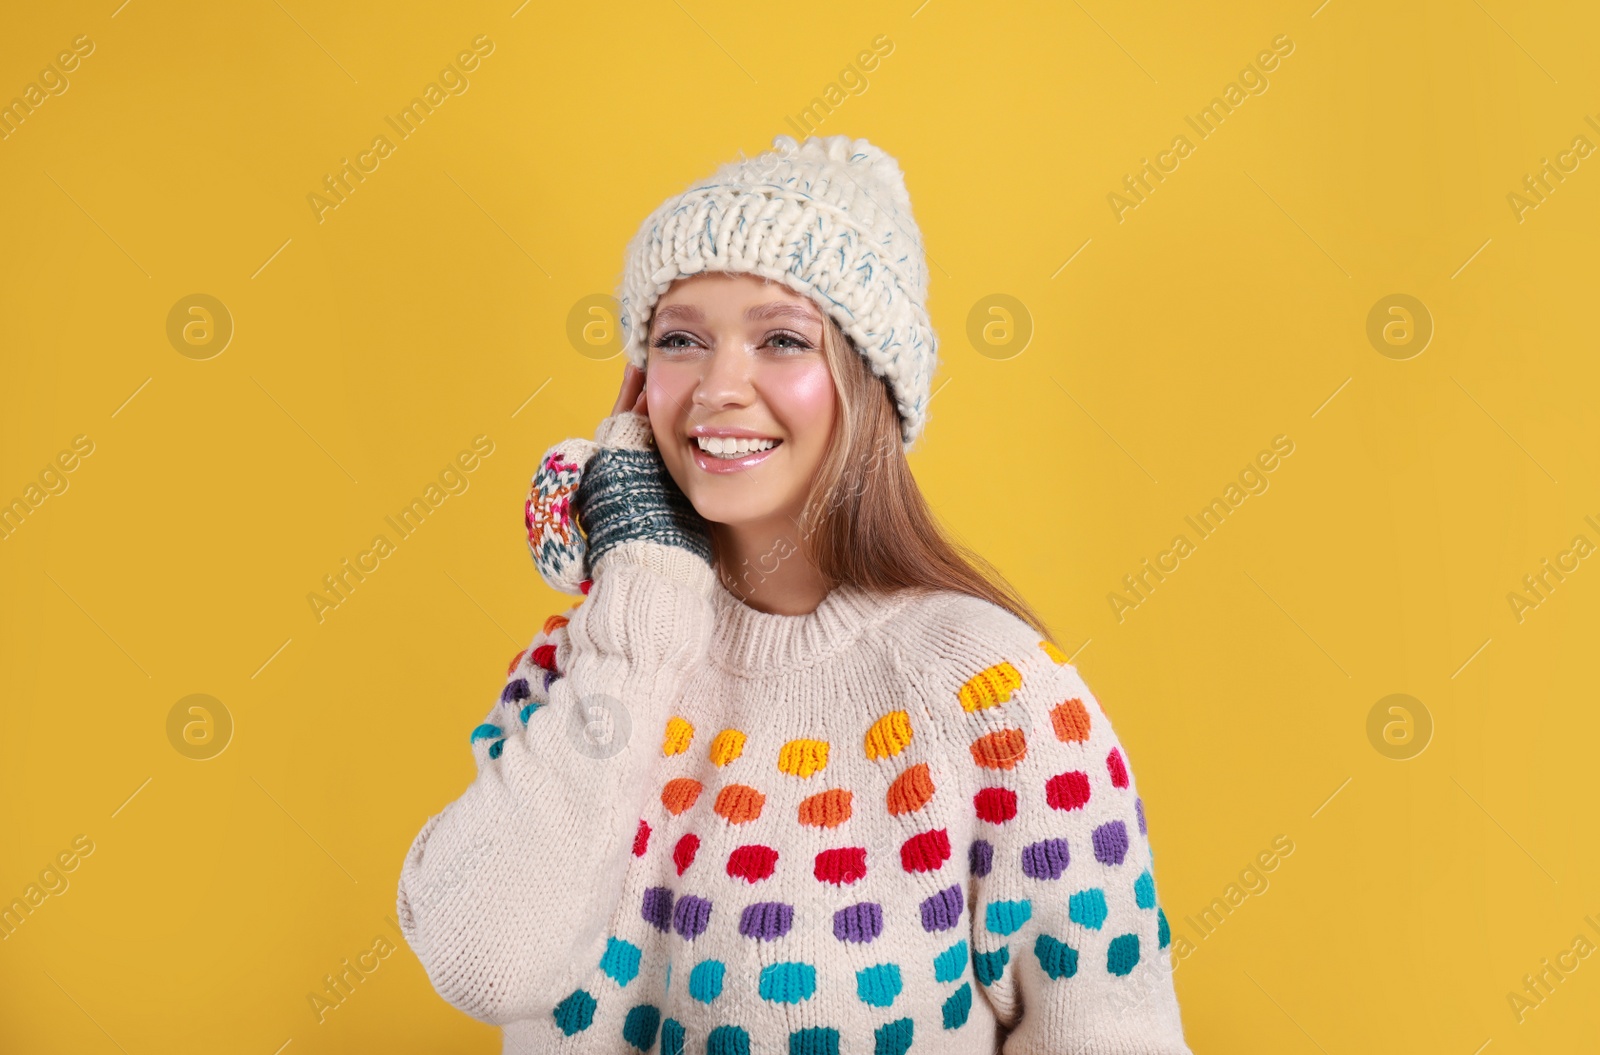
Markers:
(889, 735)
(1053, 652)
(679, 733)
(727, 746)
(801, 758)
(990, 686)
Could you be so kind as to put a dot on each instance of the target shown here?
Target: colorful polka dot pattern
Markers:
(1015, 772)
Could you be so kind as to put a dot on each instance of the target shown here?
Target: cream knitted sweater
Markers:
(898, 824)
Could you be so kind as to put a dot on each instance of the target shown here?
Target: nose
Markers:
(725, 380)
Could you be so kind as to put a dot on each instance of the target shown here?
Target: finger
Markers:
(632, 386)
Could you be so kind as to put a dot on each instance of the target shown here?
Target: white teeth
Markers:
(732, 447)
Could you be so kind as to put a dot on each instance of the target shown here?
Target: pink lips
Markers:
(712, 464)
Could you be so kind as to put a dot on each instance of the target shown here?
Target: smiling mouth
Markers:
(731, 448)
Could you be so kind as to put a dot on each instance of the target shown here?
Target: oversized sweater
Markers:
(897, 824)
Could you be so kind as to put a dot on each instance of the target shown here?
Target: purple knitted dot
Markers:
(1111, 843)
(1045, 859)
(1138, 808)
(658, 907)
(943, 910)
(549, 678)
(766, 920)
(860, 923)
(980, 858)
(691, 916)
(514, 691)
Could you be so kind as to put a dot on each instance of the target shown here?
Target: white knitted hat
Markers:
(830, 218)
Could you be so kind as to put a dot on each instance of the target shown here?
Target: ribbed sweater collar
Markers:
(748, 640)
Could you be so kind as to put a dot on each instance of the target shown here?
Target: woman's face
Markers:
(733, 357)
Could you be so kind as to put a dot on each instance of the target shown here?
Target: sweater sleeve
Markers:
(1069, 944)
(506, 894)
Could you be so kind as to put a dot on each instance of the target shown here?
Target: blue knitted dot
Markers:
(728, 1040)
(496, 747)
(989, 966)
(705, 981)
(640, 1027)
(1163, 930)
(1056, 958)
(817, 1040)
(672, 1037)
(1123, 954)
(878, 985)
(621, 960)
(952, 963)
(1007, 917)
(958, 1007)
(1087, 908)
(787, 983)
(529, 709)
(893, 1038)
(1144, 890)
(485, 731)
(575, 1013)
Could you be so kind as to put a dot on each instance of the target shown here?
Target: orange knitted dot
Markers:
(911, 790)
(514, 661)
(679, 733)
(1071, 720)
(801, 758)
(554, 623)
(889, 735)
(1053, 652)
(679, 794)
(727, 746)
(738, 803)
(827, 809)
(1001, 749)
(990, 686)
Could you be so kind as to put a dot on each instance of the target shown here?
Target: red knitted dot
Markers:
(545, 656)
(1067, 791)
(683, 853)
(995, 805)
(841, 866)
(641, 839)
(752, 863)
(1117, 769)
(925, 852)
(584, 586)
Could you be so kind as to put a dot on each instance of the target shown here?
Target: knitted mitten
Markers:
(589, 496)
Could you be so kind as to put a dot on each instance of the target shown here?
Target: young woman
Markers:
(796, 774)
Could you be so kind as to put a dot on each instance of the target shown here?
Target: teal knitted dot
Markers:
(640, 1027)
(989, 966)
(877, 986)
(728, 1040)
(1007, 917)
(621, 960)
(1087, 908)
(952, 963)
(526, 711)
(672, 1037)
(1163, 930)
(1056, 958)
(817, 1040)
(575, 1013)
(485, 731)
(958, 1007)
(893, 1038)
(705, 981)
(1123, 954)
(787, 983)
(496, 747)
(1144, 890)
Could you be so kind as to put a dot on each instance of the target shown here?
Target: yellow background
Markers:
(1229, 308)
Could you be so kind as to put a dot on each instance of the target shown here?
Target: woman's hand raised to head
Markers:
(631, 397)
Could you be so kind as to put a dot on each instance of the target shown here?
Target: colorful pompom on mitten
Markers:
(591, 495)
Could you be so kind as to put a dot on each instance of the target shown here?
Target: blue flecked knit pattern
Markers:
(831, 219)
(627, 494)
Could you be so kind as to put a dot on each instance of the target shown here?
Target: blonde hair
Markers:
(866, 522)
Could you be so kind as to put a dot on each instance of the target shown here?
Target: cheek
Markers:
(803, 400)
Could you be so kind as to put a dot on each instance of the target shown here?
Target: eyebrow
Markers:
(770, 310)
